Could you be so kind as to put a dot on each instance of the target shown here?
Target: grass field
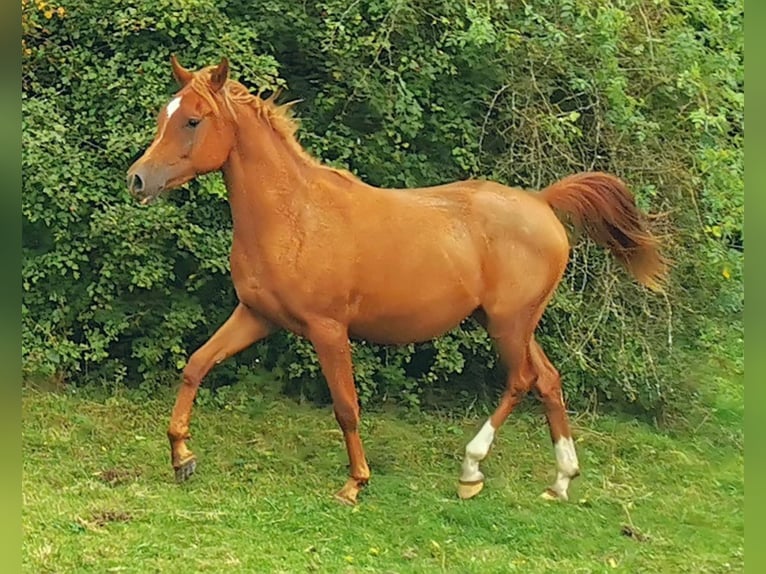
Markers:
(98, 492)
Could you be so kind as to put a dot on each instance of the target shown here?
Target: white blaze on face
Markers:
(475, 451)
(170, 109)
(173, 106)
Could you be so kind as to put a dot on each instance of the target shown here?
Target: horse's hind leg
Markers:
(548, 386)
(512, 340)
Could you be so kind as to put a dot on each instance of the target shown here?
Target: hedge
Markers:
(403, 94)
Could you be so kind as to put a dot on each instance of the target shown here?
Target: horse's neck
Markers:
(266, 179)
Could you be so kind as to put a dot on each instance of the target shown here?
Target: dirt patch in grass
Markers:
(116, 476)
(633, 532)
(101, 518)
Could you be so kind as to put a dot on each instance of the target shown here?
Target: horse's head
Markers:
(194, 134)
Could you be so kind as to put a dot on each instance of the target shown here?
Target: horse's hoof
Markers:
(347, 495)
(550, 494)
(186, 469)
(466, 490)
(344, 499)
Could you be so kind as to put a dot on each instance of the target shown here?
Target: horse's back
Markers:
(500, 213)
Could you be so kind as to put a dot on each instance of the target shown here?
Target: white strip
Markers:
(173, 106)
(566, 457)
(475, 451)
(568, 467)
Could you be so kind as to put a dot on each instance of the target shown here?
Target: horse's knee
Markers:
(347, 416)
(191, 378)
(193, 372)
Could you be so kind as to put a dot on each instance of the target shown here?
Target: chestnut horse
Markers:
(328, 257)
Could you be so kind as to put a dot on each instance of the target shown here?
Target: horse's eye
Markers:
(193, 122)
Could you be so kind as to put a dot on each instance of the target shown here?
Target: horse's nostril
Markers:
(136, 183)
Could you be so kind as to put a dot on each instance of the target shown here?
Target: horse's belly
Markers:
(411, 324)
(419, 294)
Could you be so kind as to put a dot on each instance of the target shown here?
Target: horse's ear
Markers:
(220, 75)
(181, 74)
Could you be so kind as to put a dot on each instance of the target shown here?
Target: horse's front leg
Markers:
(240, 330)
(330, 339)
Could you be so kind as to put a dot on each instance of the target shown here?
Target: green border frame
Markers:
(10, 295)
(755, 316)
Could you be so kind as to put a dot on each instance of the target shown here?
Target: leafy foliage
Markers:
(404, 94)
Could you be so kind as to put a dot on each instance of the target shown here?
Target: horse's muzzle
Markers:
(141, 186)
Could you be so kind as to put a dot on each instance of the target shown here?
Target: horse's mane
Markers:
(279, 116)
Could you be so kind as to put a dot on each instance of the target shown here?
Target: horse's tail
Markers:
(602, 205)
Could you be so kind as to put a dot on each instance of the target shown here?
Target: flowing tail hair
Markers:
(602, 205)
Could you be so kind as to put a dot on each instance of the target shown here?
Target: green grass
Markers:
(98, 493)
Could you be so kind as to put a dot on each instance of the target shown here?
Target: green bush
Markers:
(403, 94)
